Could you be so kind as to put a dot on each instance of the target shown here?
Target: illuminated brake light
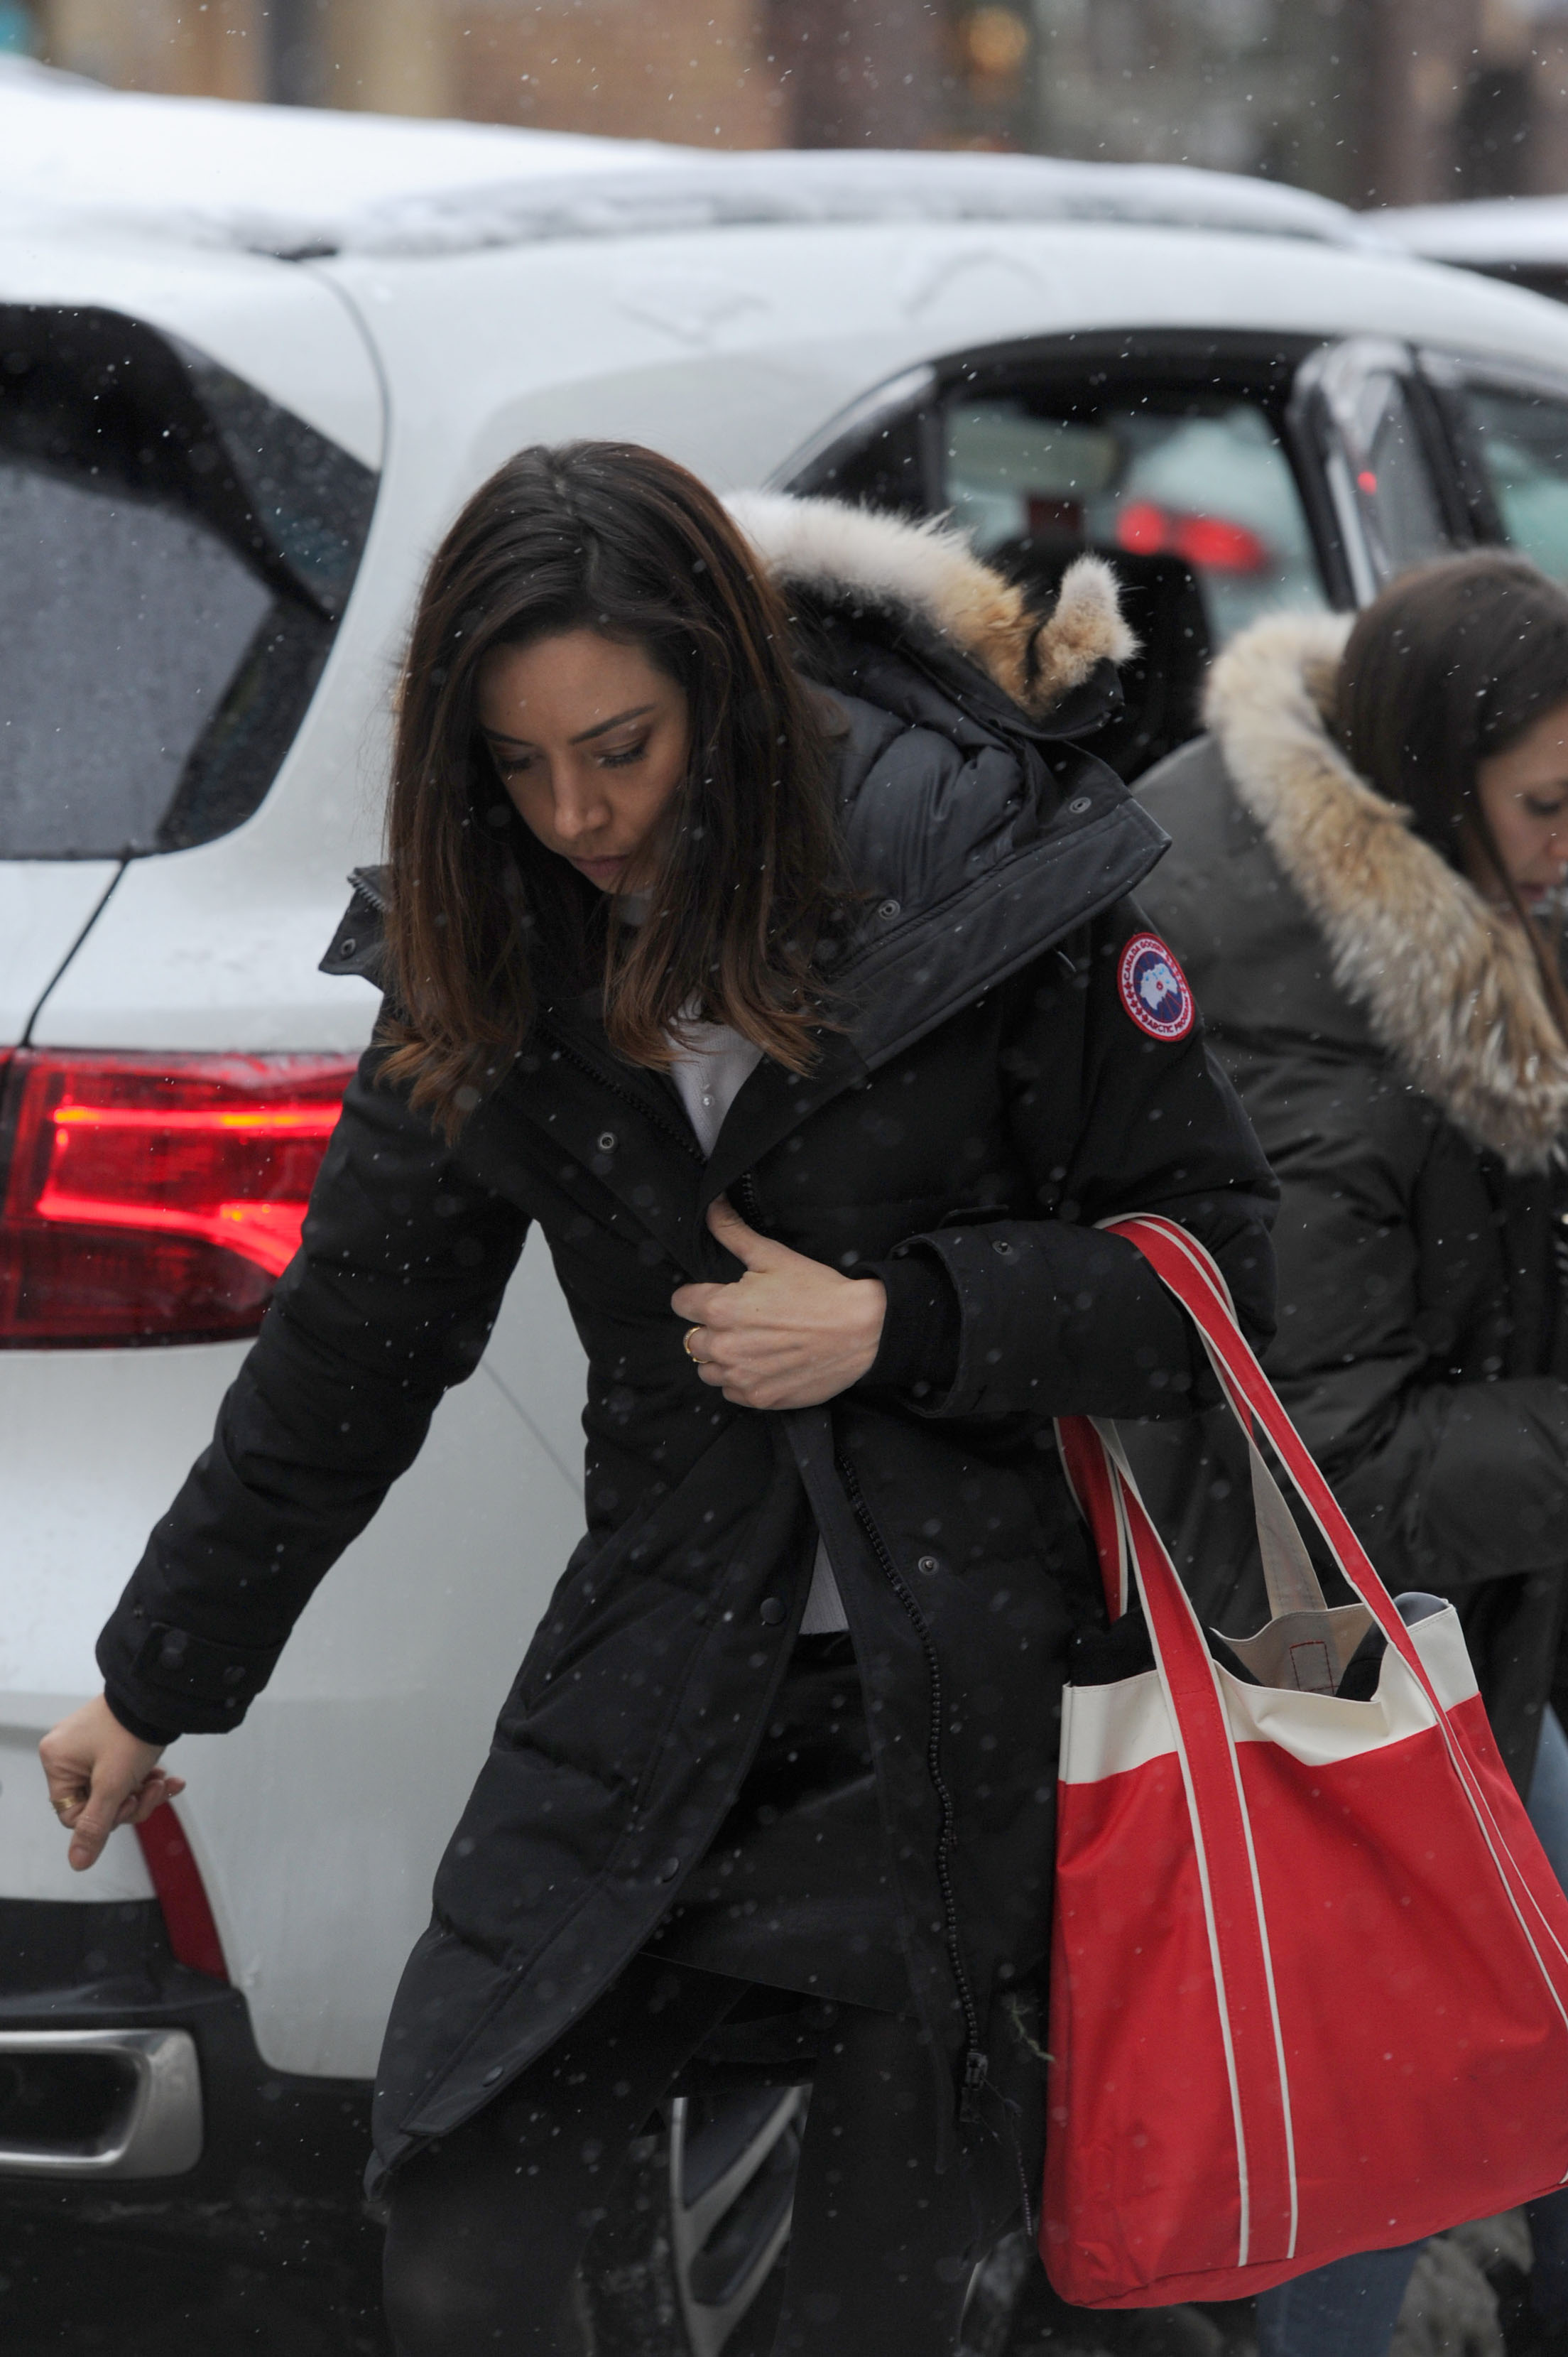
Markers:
(154, 1198)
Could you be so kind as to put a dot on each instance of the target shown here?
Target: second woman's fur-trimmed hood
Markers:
(928, 574)
(1448, 985)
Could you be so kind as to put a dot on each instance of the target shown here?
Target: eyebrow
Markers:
(600, 729)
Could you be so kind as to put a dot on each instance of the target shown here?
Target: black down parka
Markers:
(1391, 1041)
(989, 1099)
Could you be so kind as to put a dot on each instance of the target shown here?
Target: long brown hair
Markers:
(1452, 663)
(612, 538)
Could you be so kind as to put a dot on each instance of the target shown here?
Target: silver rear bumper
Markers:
(98, 2103)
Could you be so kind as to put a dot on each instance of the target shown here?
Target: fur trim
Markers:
(1448, 985)
(929, 572)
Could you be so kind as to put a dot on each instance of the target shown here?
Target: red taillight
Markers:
(181, 1893)
(151, 1199)
(1211, 544)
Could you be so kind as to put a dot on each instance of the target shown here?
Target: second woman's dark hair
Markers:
(1452, 663)
(615, 538)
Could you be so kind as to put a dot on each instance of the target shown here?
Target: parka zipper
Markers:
(975, 2062)
(672, 1128)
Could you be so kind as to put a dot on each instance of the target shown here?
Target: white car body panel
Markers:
(46, 906)
(677, 333)
(277, 326)
(317, 1824)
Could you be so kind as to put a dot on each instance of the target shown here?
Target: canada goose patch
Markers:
(1154, 989)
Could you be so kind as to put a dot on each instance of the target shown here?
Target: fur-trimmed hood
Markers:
(1448, 986)
(978, 831)
(927, 574)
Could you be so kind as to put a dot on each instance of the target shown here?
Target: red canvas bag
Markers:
(1310, 1977)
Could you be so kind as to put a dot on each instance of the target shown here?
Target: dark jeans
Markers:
(487, 2226)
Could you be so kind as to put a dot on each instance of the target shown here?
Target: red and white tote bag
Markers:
(1309, 1978)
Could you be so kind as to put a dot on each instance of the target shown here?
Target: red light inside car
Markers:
(1208, 544)
(156, 1199)
(1142, 529)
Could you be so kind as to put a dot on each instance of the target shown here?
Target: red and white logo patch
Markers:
(1154, 988)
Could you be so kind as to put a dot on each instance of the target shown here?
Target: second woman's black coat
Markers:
(1392, 1043)
(990, 1099)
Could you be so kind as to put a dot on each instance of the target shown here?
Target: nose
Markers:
(580, 806)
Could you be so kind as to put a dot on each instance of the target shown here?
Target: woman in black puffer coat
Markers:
(755, 928)
(1367, 890)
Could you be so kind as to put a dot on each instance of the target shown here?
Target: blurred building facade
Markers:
(1371, 101)
(1375, 101)
(729, 73)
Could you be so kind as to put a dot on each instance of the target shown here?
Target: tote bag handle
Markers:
(1191, 1274)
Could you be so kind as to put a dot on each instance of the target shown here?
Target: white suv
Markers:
(250, 362)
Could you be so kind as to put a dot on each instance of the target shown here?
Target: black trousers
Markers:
(487, 2226)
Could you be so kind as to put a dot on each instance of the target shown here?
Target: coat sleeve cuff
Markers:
(170, 1679)
(920, 1333)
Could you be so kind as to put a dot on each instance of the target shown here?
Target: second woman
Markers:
(1366, 885)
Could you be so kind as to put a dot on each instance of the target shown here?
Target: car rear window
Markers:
(1522, 440)
(1204, 480)
(178, 553)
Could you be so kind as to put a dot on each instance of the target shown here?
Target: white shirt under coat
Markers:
(711, 1064)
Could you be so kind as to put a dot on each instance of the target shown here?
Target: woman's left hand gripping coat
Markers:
(997, 1087)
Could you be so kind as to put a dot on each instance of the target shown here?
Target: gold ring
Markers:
(686, 1345)
(75, 1800)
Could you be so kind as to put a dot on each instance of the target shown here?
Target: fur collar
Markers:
(1448, 987)
(929, 572)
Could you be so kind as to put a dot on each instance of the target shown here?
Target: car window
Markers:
(178, 550)
(1522, 440)
(1203, 480)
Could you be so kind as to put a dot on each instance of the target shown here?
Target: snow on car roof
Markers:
(266, 179)
(1495, 230)
(296, 181)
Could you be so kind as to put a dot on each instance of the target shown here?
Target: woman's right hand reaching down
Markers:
(101, 1776)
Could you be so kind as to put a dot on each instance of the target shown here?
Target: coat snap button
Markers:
(1077, 805)
(772, 1611)
(928, 1563)
(607, 1141)
(1000, 1244)
(670, 1869)
(887, 910)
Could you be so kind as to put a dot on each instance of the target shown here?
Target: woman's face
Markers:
(590, 740)
(1524, 796)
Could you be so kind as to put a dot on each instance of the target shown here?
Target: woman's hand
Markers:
(101, 1776)
(790, 1333)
